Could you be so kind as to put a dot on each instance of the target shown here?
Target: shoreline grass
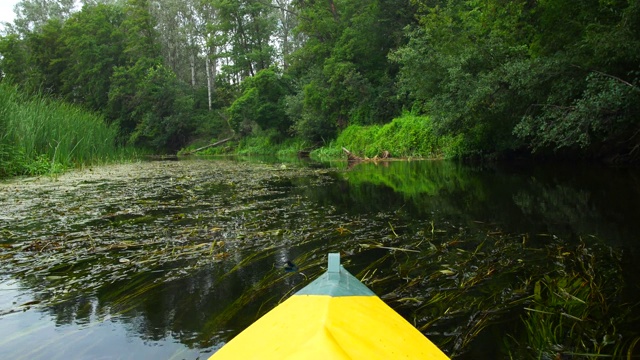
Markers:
(260, 143)
(408, 136)
(43, 136)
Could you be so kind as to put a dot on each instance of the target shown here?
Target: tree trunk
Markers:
(350, 156)
(210, 145)
(193, 70)
(334, 11)
(208, 69)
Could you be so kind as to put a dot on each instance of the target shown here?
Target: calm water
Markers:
(172, 259)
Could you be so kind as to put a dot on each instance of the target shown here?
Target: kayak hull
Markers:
(334, 317)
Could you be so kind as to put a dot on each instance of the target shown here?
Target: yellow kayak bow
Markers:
(334, 317)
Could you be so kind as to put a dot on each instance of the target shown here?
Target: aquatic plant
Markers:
(129, 235)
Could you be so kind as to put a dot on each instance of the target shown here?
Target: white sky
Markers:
(6, 11)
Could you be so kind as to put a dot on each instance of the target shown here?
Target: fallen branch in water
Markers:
(351, 156)
(354, 158)
(210, 145)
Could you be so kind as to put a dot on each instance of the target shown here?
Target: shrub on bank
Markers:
(270, 142)
(406, 136)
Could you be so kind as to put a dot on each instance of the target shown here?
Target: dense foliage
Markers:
(41, 136)
(502, 78)
(543, 76)
(407, 135)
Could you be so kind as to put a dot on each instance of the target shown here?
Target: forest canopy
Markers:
(500, 78)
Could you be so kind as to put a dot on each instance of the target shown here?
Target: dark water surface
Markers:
(171, 259)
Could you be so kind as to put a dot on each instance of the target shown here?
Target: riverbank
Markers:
(43, 136)
(408, 136)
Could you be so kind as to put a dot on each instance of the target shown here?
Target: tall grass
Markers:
(40, 135)
(270, 142)
(406, 136)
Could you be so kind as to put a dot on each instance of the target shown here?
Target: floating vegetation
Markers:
(86, 229)
(200, 249)
(558, 300)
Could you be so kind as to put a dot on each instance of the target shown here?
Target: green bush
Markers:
(408, 135)
(270, 143)
(359, 139)
(261, 104)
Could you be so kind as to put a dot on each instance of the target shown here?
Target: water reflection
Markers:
(186, 306)
(552, 199)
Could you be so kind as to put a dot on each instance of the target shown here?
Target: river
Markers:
(170, 259)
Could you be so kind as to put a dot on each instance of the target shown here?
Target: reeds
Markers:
(578, 310)
(40, 135)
